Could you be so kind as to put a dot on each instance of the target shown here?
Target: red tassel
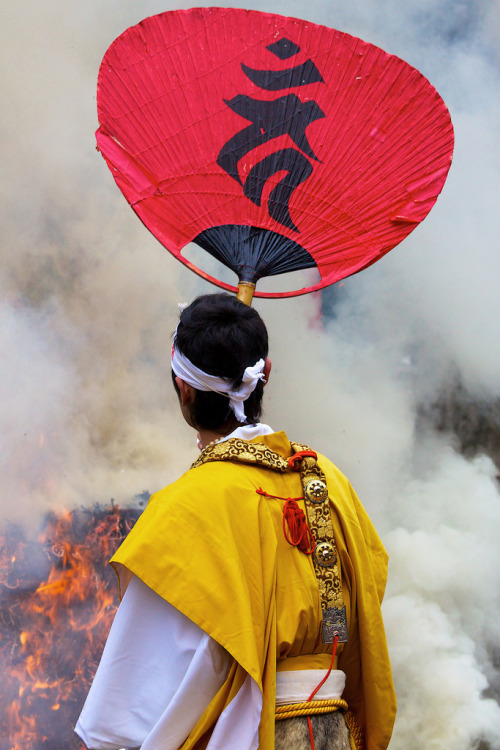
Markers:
(300, 533)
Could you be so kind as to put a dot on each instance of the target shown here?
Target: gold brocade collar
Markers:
(248, 452)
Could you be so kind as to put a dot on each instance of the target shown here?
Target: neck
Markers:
(209, 436)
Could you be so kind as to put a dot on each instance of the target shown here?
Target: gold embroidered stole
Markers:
(318, 515)
(325, 552)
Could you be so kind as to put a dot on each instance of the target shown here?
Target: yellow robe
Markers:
(214, 548)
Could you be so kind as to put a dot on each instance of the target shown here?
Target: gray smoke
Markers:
(89, 300)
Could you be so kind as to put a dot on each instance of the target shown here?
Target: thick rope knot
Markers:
(300, 533)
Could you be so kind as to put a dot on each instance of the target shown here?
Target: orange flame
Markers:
(52, 632)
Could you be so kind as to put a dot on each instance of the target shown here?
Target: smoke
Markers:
(89, 300)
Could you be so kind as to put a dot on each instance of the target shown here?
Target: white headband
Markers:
(202, 381)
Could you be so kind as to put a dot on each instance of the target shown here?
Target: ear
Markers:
(187, 394)
(267, 370)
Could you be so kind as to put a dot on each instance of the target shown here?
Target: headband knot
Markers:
(202, 381)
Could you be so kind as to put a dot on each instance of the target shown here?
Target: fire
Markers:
(57, 603)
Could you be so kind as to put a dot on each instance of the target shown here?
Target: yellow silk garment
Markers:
(214, 548)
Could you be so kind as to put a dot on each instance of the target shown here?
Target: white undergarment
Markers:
(297, 686)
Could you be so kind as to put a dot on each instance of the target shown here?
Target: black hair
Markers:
(222, 336)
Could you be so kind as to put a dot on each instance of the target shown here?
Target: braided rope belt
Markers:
(309, 708)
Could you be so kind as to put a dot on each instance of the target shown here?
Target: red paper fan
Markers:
(273, 143)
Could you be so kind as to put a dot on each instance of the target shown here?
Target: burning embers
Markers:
(57, 603)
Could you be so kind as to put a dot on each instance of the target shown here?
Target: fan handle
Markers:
(245, 292)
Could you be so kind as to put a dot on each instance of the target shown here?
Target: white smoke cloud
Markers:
(89, 300)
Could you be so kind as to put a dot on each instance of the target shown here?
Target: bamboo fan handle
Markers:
(245, 292)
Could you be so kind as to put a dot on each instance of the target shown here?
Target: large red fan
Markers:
(273, 143)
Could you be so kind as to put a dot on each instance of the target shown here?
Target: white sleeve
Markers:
(238, 724)
(156, 664)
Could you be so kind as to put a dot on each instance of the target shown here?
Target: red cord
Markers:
(260, 491)
(336, 640)
(327, 675)
(311, 735)
(294, 461)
